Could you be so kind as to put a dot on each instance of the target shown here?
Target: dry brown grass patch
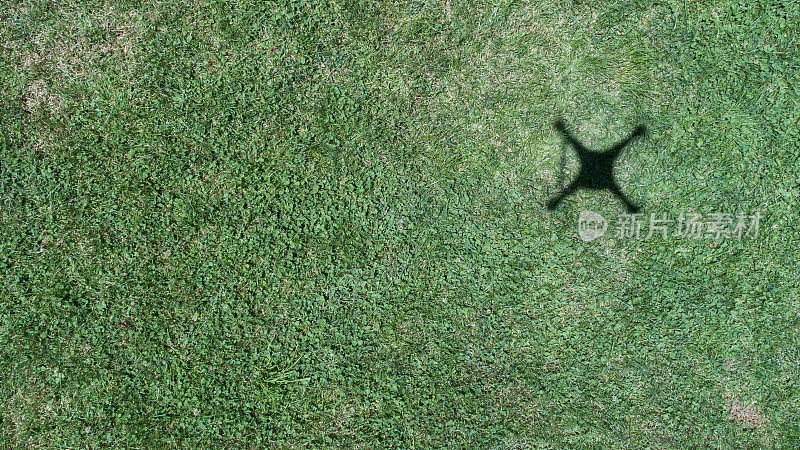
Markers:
(745, 414)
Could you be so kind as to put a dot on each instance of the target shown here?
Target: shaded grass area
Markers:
(292, 225)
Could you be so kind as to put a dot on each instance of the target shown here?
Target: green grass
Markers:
(302, 225)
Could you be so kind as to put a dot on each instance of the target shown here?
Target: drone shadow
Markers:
(596, 169)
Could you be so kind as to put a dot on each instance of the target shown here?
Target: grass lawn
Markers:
(316, 224)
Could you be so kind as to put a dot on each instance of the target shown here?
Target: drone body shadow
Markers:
(597, 168)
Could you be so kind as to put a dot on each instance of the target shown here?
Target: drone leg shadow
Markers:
(555, 201)
(616, 191)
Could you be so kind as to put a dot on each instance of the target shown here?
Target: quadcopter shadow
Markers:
(597, 168)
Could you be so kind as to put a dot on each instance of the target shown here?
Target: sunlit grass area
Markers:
(314, 224)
